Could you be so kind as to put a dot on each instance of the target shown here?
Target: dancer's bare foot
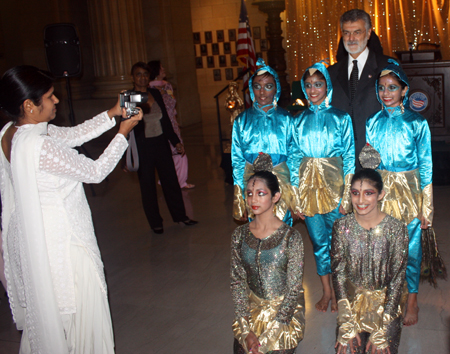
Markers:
(412, 311)
(328, 295)
(322, 305)
(333, 302)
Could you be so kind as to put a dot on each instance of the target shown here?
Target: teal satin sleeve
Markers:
(424, 154)
(293, 158)
(326, 132)
(237, 155)
(403, 141)
(348, 145)
(256, 131)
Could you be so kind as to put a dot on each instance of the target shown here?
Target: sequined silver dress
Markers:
(368, 272)
(266, 286)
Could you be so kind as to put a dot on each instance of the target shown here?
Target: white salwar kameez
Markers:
(56, 283)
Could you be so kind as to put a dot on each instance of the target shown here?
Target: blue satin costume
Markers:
(323, 131)
(256, 131)
(404, 143)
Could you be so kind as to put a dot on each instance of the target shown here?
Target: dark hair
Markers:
(139, 64)
(269, 179)
(317, 73)
(356, 15)
(21, 83)
(370, 176)
(154, 67)
(395, 77)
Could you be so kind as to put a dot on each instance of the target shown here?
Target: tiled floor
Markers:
(170, 293)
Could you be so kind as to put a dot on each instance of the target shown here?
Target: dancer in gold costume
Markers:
(369, 253)
(266, 273)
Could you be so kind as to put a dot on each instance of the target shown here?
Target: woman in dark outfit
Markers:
(152, 136)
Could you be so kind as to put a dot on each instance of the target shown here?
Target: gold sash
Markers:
(404, 199)
(364, 312)
(321, 186)
(284, 180)
(272, 335)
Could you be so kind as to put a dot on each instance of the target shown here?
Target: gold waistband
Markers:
(272, 334)
(403, 199)
(321, 185)
(363, 311)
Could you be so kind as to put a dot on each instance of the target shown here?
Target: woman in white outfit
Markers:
(56, 285)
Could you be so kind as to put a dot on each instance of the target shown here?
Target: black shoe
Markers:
(189, 222)
(158, 230)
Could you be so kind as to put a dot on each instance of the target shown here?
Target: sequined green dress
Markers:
(368, 272)
(266, 286)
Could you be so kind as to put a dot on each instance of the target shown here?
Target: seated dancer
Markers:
(368, 258)
(326, 155)
(267, 128)
(266, 272)
(403, 139)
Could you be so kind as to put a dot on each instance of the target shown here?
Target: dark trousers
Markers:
(155, 153)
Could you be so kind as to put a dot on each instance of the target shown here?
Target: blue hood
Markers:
(397, 70)
(267, 68)
(322, 68)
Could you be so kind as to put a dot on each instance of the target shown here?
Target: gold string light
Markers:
(313, 33)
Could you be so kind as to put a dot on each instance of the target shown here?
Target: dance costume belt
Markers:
(364, 312)
(284, 179)
(321, 186)
(271, 334)
(404, 199)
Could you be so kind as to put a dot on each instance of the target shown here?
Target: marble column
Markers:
(276, 52)
(118, 42)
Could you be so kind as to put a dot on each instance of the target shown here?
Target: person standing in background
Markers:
(360, 59)
(157, 75)
(152, 136)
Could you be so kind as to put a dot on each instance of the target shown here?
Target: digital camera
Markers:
(130, 99)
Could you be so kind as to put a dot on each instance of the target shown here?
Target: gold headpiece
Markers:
(385, 72)
(312, 71)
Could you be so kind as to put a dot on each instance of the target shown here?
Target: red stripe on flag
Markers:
(245, 50)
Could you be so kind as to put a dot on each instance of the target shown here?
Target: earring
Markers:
(31, 111)
(327, 102)
(275, 210)
(402, 108)
(274, 103)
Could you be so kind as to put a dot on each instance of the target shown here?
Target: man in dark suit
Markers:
(358, 43)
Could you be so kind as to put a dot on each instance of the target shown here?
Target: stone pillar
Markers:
(118, 42)
(276, 51)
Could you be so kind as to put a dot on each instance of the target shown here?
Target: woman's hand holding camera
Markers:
(116, 110)
(128, 124)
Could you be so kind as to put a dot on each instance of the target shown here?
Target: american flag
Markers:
(246, 50)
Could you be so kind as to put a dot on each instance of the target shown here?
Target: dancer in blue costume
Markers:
(403, 139)
(263, 128)
(326, 150)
